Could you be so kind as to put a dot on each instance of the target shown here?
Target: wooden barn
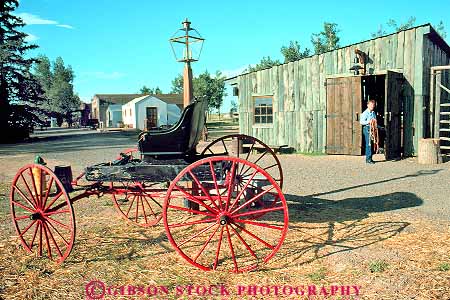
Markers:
(314, 104)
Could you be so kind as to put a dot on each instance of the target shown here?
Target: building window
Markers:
(263, 110)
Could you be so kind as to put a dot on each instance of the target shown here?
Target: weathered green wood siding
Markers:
(299, 92)
(433, 56)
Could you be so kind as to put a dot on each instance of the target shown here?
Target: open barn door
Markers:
(392, 112)
(344, 106)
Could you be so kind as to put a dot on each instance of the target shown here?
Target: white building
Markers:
(113, 115)
(152, 111)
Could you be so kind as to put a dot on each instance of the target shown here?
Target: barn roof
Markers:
(117, 98)
(168, 98)
(125, 98)
(433, 35)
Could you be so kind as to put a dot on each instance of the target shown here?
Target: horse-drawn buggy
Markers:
(222, 207)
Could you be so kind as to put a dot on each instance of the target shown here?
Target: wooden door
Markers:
(392, 115)
(152, 117)
(344, 133)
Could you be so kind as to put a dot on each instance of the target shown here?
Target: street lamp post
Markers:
(187, 45)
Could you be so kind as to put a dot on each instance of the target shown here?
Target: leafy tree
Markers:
(293, 52)
(266, 62)
(146, 90)
(394, 26)
(20, 93)
(379, 32)
(177, 85)
(205, 86)
(402, 26)
(158, 91)
(233, 108)
(327, 39)
(441, 29)
(210, 88)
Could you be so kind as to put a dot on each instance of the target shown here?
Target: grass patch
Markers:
(444, 267)
(378, 266)
(318, 275)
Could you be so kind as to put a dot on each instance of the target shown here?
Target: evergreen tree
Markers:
(20, 93)
(63, 100)
(43, 73)
(57, 83)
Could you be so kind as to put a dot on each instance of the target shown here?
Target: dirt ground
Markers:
(384, 228)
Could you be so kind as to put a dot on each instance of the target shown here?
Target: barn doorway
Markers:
(346, 100)
(373, 88)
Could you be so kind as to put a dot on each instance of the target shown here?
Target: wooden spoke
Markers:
(201, 245)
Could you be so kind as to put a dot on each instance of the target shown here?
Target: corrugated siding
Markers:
(300, 95)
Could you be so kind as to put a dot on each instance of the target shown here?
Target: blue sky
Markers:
(117, 46)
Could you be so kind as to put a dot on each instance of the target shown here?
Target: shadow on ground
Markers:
(323, 227)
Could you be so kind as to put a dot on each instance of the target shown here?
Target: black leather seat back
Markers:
(179, 139)
(197, 123)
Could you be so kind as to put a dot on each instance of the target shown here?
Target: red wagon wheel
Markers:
(42, 213)
(231, 229)
(264, 156)
(138, 202)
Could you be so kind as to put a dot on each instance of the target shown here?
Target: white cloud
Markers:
(31, 37)
(103, 75)
(65, 26)
(31, 19)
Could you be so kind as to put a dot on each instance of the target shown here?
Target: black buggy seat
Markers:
(179, 140)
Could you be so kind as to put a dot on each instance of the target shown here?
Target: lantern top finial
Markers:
(186, 24)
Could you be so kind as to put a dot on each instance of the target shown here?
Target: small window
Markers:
(263, 110)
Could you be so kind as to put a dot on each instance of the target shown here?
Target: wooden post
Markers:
(192, 186)
(429, 151)
(432, 104)
(187, 84)
(237, 146)
(64, 174)
(437, 105)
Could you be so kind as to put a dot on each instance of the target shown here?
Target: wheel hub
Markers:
(36, 216)
(223, 220)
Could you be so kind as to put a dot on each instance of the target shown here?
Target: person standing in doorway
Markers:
(366, 117)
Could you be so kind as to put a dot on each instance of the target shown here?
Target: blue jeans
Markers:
(366, 132)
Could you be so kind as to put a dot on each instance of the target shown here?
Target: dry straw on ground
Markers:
(321, 252)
